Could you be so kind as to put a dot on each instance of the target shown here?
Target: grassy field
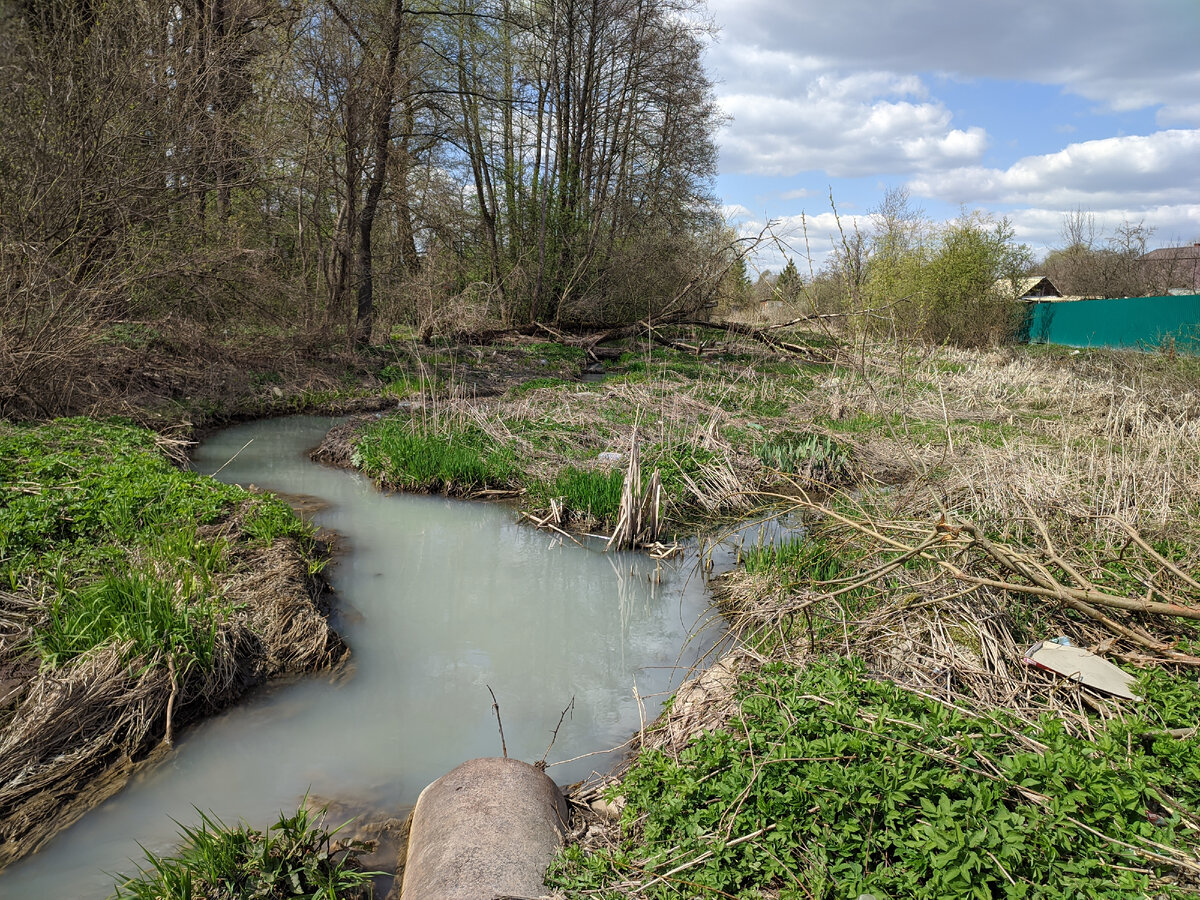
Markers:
(874, 730)
(881, 734)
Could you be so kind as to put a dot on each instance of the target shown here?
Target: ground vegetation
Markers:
(876, 730)
(135, 597)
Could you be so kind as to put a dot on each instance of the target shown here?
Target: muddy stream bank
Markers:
(438, 599)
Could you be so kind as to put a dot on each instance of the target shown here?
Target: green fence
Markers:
(1141, 323)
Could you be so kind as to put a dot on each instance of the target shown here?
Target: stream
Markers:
(438, 599)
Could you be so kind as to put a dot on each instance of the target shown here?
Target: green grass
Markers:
(676, 463)
(408, 454)
(555, 353)
(95, 519)
(534, 384)
(594, 493)
(136, 607)
(829, 784)
(548, 433)
(769, 408)
(661, 362)
(794, 558)
(816, 456)
(294, 858)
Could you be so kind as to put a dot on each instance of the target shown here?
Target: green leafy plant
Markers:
(830, 784)
(294, 858)
(814, 456)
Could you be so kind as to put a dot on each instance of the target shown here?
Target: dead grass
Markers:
(76, 734)
(992, 435)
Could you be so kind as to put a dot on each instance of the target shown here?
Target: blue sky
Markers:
(1028, 110)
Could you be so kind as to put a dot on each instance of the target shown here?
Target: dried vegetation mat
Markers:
(708, 431)
(137, 598)
(881, 728)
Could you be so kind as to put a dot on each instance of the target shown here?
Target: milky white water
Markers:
(437, 599)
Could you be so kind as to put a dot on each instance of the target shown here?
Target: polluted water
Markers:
(439, 600)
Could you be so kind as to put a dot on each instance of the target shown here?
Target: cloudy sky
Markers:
(1027, 109)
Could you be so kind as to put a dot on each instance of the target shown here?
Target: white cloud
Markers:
(1119, 172)
(1121, 54)
(845, 126)
(852, 89)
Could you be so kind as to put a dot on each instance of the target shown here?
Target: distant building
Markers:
(1032, 287)
(1173, 270)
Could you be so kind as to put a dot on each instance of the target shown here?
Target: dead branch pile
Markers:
(652, 329)
(946, 609)
(75, 734)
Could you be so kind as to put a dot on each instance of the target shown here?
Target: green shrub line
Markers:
(99, 523)
(294, 858)
(852, 785)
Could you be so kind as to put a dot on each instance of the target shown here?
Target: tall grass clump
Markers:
(413, 455)
(137, 608)
(586, 493)
(814, 456)
(294, 858)
(794, 558)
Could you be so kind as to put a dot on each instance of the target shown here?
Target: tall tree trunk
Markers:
(381, 140)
